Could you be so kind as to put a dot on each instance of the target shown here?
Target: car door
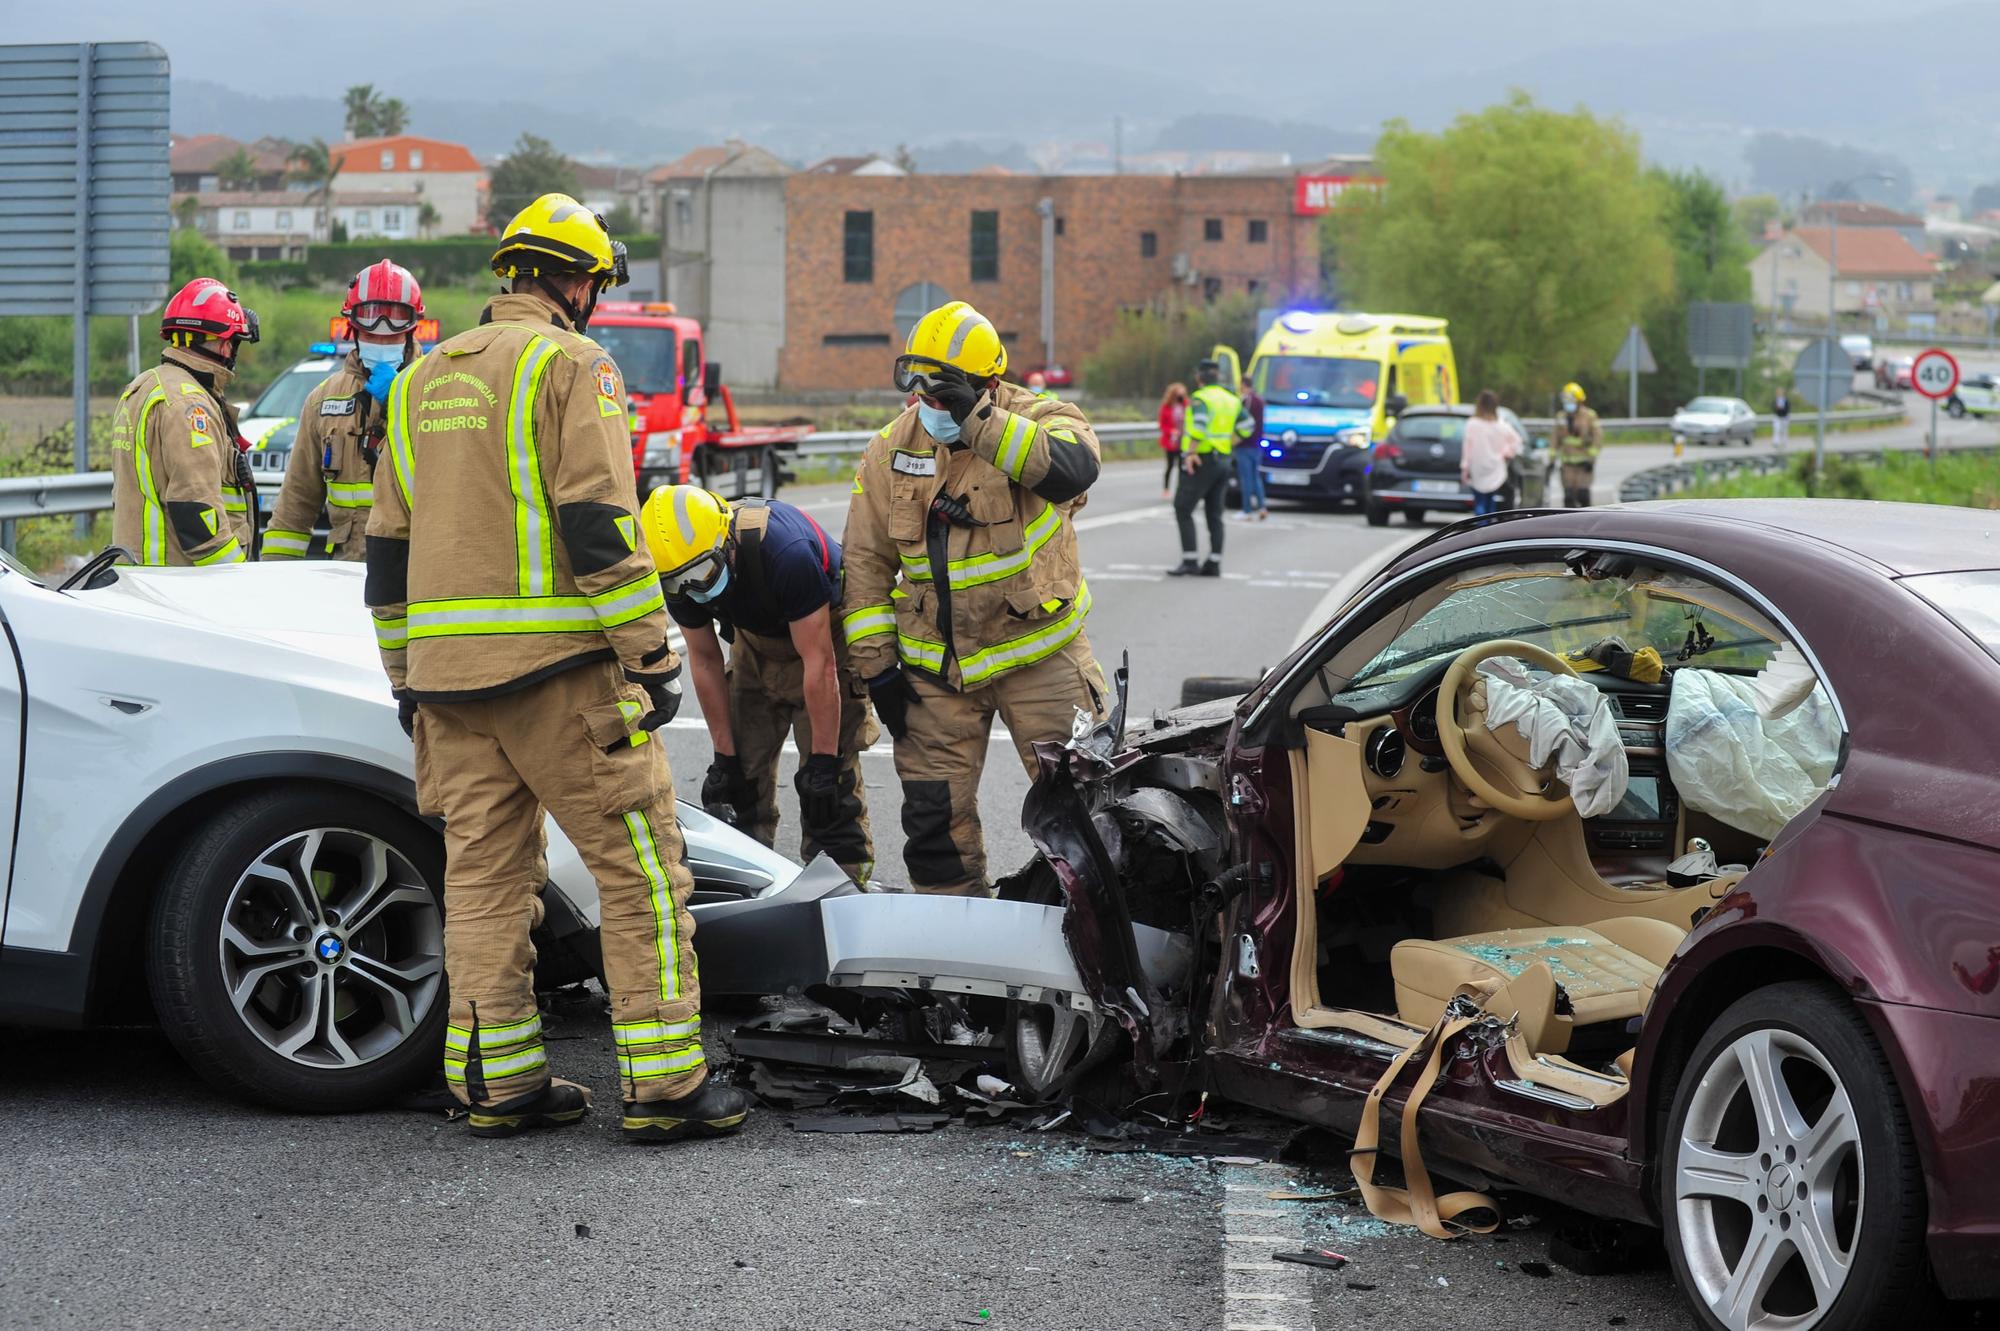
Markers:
(1232, 368)
(13, 716)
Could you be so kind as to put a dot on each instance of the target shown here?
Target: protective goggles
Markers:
(920, 374)
(383, 316)
(697, 575)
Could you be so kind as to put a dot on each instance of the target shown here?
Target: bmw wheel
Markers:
(1790, 1189)
(296, 950)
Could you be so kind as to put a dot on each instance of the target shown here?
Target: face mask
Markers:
(712, 592)
(1569, 403)
(938, 422)
(377, 353)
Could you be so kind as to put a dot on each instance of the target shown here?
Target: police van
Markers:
(1333, 384)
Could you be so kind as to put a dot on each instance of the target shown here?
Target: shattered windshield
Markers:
(1550, 606)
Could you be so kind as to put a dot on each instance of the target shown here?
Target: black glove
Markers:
(950, 389)
(818, 784)
(663, 691)
(406, 714)
(725, 791)
(945, 509)
(892, 693)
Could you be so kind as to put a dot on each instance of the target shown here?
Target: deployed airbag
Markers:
(1731, 758)
(1564, 718)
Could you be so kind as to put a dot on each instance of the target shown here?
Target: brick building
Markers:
(812, 279)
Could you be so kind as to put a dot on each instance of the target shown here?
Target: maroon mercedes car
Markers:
(1646, 859)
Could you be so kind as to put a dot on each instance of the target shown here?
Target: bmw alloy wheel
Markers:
(1767, 1183)
(332, 948)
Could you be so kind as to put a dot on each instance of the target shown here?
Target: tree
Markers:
(186, 209)
(1755, 212)
(190, 255)
(391, 116)
(905, 159)
(361, 110)
(315, 165)
(1535, 233)
(622, 220)
(532, 169)
(237, 171)
(427, 218)
(1711, 262)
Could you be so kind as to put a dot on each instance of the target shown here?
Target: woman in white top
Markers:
(1482, 459)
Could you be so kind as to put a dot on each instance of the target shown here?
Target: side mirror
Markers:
(711, 380)
(1395, 403)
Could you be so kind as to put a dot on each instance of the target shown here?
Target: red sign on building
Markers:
(1313, 195)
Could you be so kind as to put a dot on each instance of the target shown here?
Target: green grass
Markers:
(1964, 478)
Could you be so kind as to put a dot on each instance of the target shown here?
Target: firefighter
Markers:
(340, 426)
(1037, 383)
(963, 594)
(1216, 420)
(762, 575)
(1579, 439)
(524, 631)
(183, 493)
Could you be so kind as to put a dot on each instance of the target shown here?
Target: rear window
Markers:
(1970, 600)
(1425, 429)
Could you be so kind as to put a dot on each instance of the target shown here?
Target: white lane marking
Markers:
(1095, 520)
(1349, 583)
(1278, 1295)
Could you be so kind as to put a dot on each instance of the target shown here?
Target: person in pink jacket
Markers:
(1482, 461)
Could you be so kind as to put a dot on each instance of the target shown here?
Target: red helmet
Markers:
(384, 298)
(207, 308)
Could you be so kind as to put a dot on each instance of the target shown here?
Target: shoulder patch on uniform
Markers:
(883, 433)
(628, 527)
(337, 406)
(913, 464)
(610, 398)
(191, 390)
(201, 424)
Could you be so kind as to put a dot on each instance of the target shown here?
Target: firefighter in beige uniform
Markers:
(523, 627)
(181, 491)
(963, 594)
(340, 426)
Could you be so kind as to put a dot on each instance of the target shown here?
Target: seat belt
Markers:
(1418, 1203)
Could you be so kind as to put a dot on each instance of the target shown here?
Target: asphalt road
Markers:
(131, 1195)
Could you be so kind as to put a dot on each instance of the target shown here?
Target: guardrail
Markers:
(50, 496)
(1674, 477)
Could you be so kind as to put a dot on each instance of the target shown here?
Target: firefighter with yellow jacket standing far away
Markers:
(761, 575)
(523, 627)
(340, 426)
(182, 492)
(1579, 439)
(964, 595)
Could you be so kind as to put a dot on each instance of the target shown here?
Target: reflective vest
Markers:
(332, 463)
(178, 496)
(1215, 419)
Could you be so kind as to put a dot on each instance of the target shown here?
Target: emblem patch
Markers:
(200, 424)
(610, 400)
(337, 406)
(914, 464)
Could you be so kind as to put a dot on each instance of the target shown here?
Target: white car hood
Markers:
(311, 606)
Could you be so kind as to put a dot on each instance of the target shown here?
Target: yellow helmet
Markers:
(1573, 390)
(556, 234)
(956, 335)
(686, 528)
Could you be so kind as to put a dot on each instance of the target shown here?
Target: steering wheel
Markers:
(1478, 758)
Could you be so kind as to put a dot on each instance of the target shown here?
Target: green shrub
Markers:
(453, 259)
(285, 274)
(1150, 349)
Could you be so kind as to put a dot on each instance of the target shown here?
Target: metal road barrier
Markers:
(48, 496)
(1662, 482)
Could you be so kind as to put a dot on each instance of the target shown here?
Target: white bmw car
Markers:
(210, 820)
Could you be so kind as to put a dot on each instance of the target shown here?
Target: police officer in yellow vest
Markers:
(963, 593)
(1215, 422)
(524, 630)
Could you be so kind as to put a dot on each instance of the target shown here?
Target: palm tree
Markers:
(362, 112)
(391, 116)
(315, 165)
(237, 171)
(427, 218)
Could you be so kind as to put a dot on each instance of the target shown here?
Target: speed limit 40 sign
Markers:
(1934, 374)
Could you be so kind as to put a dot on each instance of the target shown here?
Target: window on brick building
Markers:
(1260, 231)
(856, 339)
(1211, 287)
(1253, 286)
(1059, 226)
(985, 245)
(858, 247)
(1211, 228)
(1149, 244)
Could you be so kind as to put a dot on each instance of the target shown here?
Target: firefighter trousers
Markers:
(1577, 478)
(490, 767)
(943, 752)
(767, 702)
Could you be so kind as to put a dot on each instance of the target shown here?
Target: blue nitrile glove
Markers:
(380, 375)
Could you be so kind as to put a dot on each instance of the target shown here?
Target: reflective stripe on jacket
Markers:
(503, 542)
(173, 463)
(969, 603)
(339, 425)
(1215, 420)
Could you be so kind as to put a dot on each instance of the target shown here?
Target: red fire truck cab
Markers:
(675, 392)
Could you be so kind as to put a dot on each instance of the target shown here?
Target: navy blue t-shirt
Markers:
(801, 566)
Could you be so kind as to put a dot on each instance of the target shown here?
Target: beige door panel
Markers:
(1336, 799)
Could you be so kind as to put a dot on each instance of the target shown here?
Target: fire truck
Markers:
(676, 393)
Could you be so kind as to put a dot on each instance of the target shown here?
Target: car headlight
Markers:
(1354, 438)
(1288, 438)
(662, 453)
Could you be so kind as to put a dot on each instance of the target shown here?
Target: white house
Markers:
(265, 224)
(390, 214)
(447, 175)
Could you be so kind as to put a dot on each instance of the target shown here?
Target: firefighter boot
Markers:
(556, 1105)
(713, 1110)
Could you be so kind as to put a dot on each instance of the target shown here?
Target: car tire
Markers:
(1209, 688)
(236, 953)
(1772, 1194)
(1956, 409)
(1377, 515)
(1415, 516)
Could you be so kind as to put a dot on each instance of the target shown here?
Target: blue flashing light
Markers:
(1305, 397)
(324, 349)
(1277, 452)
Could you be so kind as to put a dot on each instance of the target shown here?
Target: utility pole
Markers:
(1047, 208)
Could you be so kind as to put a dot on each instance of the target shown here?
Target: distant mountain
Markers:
(1215, 132)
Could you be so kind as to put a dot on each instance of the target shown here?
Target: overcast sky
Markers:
(858, 74)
